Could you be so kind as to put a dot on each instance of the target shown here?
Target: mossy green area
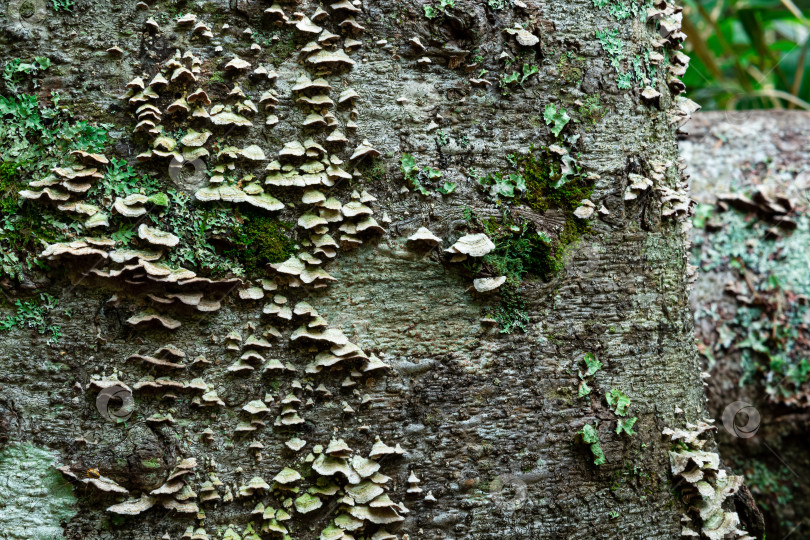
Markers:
(34, 138)
(373, 171)
(153, 463)
(571, 67)
(10, 185)
(767, 330)
(592, 109)
(21, 225)
(218, 241)
(521, 250)
(262, 240)
(34, 497)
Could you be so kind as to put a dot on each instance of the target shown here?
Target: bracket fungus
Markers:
(473, 245)
(483, 285)
(364, 150)
(423, 239)
(523, 36)
(585, 210)
(142, 319)
(156, 236)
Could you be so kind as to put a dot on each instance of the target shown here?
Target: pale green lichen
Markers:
(34, 497)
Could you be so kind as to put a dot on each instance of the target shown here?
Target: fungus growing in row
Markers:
(156, 236)
(143, 319)
(336, 58)
(637, 184)
(131, 206)
(133, 507)
(344, 5)
(287, 476)
(229, 118)
(292, 149)
(351, 44)
(306, 26)
(351, 25)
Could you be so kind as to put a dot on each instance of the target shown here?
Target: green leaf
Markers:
(42, 62)
(518, 181)
(159, 199)
(625, 81)
(430, 12)
(584, 389)
(509, 79)
(528, 71)
(555, 118)
(448, 188)
(417, 185)
(433, 174)
(591, 438)
(619, 401)
(408, 164)
(625, 425)
(592, 363)
(504, 188)
(589, 435)
(598, 454)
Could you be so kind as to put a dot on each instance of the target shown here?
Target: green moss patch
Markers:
(544, 182)
(262, 240)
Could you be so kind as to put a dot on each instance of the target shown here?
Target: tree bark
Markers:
(488, 421)
(747, 153)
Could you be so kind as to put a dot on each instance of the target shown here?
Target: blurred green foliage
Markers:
(748, 54)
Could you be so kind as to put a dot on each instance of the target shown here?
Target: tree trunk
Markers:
(752, 288)
(552, 125)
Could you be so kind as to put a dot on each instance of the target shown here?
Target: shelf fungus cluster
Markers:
(220, 128)
(704, 485)
(166, 363)
(334, 355)
(67, 186)
(668, 19)
(301, 173)
(135, 269)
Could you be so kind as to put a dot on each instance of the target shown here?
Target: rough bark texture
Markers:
(743, 153)
(488, 420)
